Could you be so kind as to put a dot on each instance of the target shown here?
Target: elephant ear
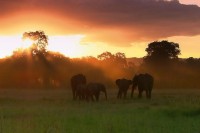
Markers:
(135, 79)
(118, 82)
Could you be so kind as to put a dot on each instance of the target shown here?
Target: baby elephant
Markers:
(94, 89)
(123, 85)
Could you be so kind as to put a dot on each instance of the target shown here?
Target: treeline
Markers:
(170, 71)
(53, 70)
(38, 68)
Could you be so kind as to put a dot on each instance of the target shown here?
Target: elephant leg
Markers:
(88, 97)
(149, 94)
(140, 94)
(79, 96)
(74, 94)
(125, 92)
(97, 97)
(83, 96)
(132, 91)
(92, 98)
(119, 94)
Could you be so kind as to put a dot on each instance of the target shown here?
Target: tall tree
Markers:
(40, 41)
(162, 52)
(39, 53)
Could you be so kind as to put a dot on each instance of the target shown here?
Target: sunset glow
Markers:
(26, 43)
(69, 45)
(87, 31)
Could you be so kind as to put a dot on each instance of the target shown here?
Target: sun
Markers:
(26, 43)
(68, 45)
(9, 44)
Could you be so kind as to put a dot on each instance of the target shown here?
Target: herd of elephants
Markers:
(83, 91)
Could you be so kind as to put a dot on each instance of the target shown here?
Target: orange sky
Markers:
(87, 27)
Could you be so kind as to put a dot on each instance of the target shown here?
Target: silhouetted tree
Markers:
(40, 41)
(161, 52)
(120, 58)
(115, 59)
(193, 62)
(39, 53)
(106, 56)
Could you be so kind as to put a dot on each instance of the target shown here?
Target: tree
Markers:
(162, 52)
(39, 53)
(120, 58)
(106, 56)
(40, 41)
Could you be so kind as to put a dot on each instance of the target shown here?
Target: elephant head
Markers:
(123, 85)
(103, 89)
(77, 80)
(135, 80)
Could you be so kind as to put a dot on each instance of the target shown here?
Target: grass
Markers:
(53, 111)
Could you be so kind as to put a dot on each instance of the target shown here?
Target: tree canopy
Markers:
(118, 58)
(162, 51)
(40, 41)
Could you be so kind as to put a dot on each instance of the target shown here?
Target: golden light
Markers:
(8, 44)
(26, 43)
(68, 45)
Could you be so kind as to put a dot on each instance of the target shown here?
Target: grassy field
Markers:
(53, 111)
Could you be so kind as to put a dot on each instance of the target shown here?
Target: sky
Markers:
(79, 28)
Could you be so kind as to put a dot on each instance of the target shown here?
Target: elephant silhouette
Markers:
(123, 85)
(94, 89)
(81, 91)
(144, 82)
(76, 81)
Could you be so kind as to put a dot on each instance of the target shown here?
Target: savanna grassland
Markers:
(53, 111)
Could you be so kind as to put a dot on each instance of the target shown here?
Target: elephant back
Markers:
(123, 82)
(77, 80)
(143, 80)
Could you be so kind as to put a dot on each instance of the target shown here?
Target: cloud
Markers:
(116, 21)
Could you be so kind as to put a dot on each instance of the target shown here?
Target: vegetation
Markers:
(27, 110)
(35, 67)
(42, 111)
(162, 52)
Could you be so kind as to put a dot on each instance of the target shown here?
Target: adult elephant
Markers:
(144, 82)
(77, 80)
(81, 91)
(123, 85)
(94, 89)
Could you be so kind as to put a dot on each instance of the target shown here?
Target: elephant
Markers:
(81, 91)
(94, 89)
(77, 80)
(123, 85)
(144, 82)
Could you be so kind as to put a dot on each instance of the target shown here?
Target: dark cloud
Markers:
(119, 21)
